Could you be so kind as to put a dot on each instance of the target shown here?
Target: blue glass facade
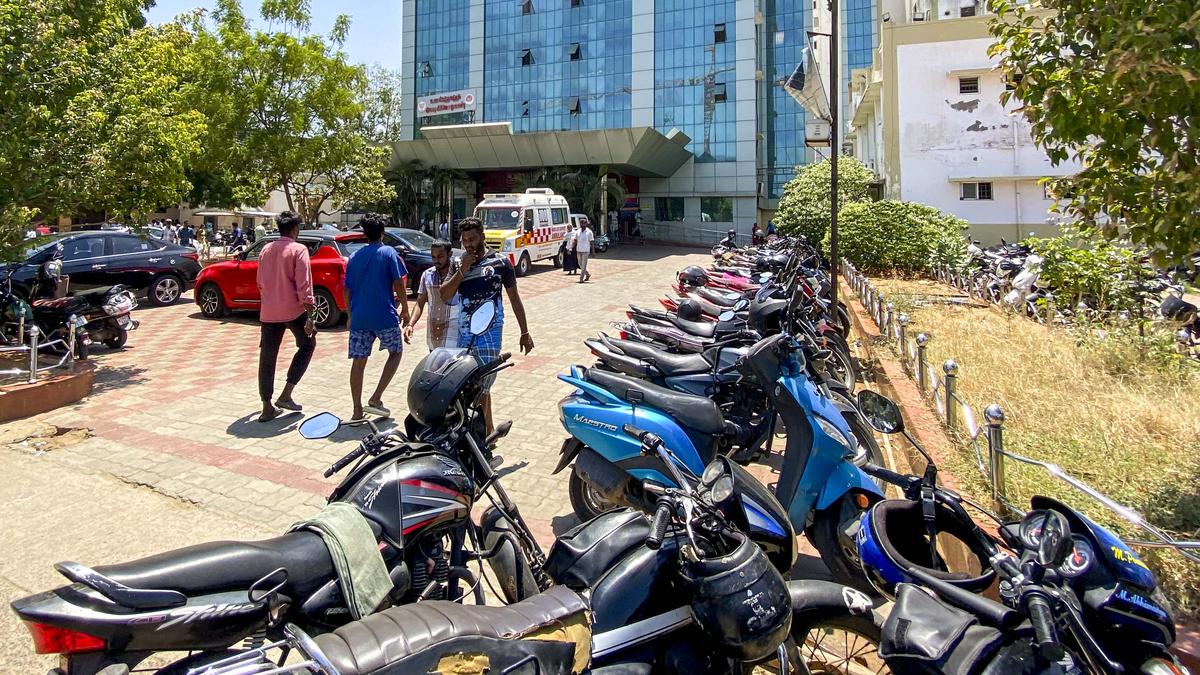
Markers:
(783, 120)
(549, 66)
(860, 31)
(694, 75)
(443, 48)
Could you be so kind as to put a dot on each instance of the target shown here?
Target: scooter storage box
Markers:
(582, 555)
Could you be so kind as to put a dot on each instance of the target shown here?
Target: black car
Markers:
(413, 247)
(148, 266)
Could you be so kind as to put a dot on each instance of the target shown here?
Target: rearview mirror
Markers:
(1055, 544)
(740, 305)
(727, 315)
(880, 412)
(482, 318)
(320, 425)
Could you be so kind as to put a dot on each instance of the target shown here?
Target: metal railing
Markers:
(33, 350)
(987, 442)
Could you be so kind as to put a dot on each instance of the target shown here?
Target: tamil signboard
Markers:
(448, 102)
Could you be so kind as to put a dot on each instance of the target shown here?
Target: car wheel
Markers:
(325, 311)
(523, 265)
(212, 303)
(164, 290)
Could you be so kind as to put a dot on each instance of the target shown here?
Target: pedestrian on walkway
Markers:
(186, 234)
(239, 239)
(478, 279)
(285, 285)
(374, 279)
(260, 231)
(583, 247)
(569, 259)
(441, 328)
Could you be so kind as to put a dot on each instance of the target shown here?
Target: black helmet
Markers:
(892, 540)
(762, 264)
(731, 232)
(1177, 310)
(689, 310)
(437, 382)
(692, 275)
(741, 602)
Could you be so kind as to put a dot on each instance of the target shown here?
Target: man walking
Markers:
(442, 324)
(374, 278)
(583, 247)
(478, 280)
(570, 262)
(285, 284)
(260, 231)
(239, 239)
(186, 235)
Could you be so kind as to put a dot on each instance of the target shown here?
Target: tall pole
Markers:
(835, 90)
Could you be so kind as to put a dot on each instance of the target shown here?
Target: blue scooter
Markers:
(820, 483)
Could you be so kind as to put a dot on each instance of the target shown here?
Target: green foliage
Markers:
(1118, 88)
(97, 112)
(805, 205)
(285, 110)
(582, 186)
(1103, 276)
(899, 237)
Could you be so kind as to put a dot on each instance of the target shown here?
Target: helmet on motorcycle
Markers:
(437, 382)
(692, 275)
(731, 232)
(892, 540)
(689, 310)
(762, 264)
(740, 601)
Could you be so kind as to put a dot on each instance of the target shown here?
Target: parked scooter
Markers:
(1074, 597)
(820, 483)
(55, 320)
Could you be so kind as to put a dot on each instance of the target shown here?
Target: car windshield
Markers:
(499, 218)
(415, 239)
(349, 246)
(37, 245)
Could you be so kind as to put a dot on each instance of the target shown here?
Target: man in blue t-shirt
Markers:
(374, 279)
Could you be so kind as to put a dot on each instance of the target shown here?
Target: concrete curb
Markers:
(893, 381)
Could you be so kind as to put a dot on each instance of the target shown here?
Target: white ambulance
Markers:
(525, 227)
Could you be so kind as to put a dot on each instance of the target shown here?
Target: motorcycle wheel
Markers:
(117, 341)
(585, 499)
(838, 550)
(81, 348)
(841, 644)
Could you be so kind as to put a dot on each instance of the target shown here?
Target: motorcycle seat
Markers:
(694, 412)
(552, 627)
(218, 566)
(720, 299)
(701, 329)
(668, 364)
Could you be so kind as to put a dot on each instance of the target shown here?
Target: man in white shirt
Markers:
(583, 246)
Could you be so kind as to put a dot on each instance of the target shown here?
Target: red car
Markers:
(233, 284)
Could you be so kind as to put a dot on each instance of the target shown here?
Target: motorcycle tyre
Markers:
(823, 535)
(81, 348)
(577, 489)
(117, 341)
(865, 626)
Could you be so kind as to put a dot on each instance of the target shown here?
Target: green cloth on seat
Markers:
(362, 574)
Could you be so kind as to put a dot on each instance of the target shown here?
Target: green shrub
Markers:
(1102, 275)
(900, 237)
(804, 206)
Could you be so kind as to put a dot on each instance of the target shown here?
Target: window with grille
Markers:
(975, 191)
(1012, 81)
(967, 11)
(968, 85)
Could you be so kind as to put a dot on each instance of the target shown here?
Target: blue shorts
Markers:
(389, 339)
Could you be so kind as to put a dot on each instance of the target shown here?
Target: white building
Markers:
(927, 119)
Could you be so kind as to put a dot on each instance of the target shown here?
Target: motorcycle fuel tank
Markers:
(410, 494)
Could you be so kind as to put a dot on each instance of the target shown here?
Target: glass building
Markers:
(707, 69)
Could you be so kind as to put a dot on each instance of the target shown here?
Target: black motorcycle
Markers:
(55, 319)
(685, 591)
(416, 495)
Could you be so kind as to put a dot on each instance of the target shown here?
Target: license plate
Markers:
(80, 322)
(124, 321)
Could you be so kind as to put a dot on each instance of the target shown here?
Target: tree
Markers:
(381, 106)
(1118, 88)
(285, 111)
(97, 111)
(804, 207)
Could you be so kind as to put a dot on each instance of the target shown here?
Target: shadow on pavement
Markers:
(249, 318)
(645, 253)
(110, 378)
(250, 427)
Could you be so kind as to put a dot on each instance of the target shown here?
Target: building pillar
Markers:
(642, 64)
(475, 80)
(408, 68)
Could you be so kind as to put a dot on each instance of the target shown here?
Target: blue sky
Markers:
(374, 24)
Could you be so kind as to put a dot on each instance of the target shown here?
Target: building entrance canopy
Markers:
(641, 151)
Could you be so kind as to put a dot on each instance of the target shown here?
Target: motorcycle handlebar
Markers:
(1042, 618)
(341, 463)
(658, 525)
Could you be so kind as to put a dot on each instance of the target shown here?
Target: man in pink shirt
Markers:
(285, 283)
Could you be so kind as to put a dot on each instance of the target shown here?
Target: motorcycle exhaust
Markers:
(611, 481)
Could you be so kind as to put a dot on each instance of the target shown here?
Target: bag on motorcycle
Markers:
(579, 557)
(923, 635)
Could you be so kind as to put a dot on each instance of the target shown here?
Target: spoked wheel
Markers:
(844, 645)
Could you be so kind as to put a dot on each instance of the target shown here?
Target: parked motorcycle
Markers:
(685, 591)
(1074, 597)
(56, 320)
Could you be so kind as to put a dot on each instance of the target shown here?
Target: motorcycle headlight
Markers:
(847, 441)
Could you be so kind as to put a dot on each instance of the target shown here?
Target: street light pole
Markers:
(835, 90)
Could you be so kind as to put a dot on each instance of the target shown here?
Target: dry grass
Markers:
(1098, 408)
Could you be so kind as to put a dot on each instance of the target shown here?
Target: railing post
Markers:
(922, 341)
(71, 340)
(33, 354)
(887, 319)
(995, 421)
(902, 336)
(950, 368)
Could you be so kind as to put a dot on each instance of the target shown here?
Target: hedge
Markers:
(899, 237)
